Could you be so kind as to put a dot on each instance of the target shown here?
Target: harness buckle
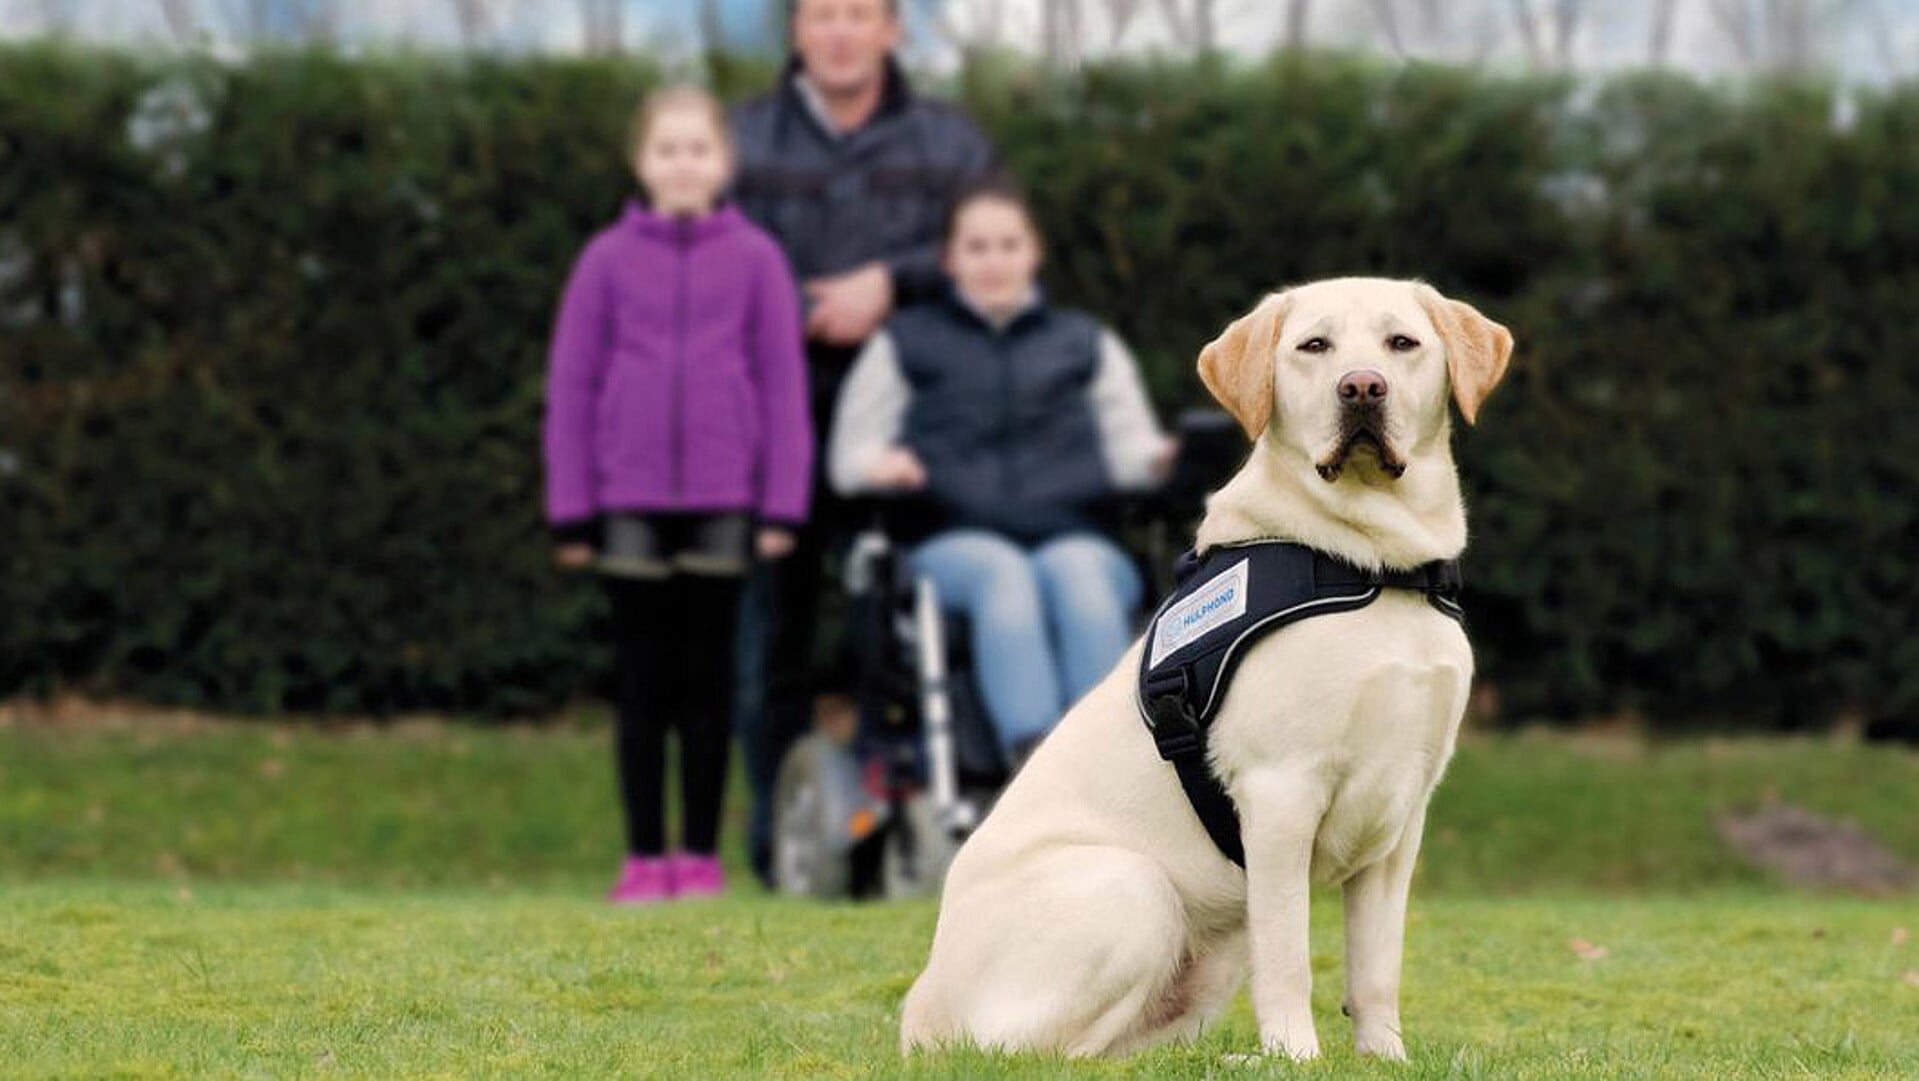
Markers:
(1171, 718)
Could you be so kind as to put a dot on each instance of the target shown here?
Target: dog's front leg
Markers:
(1279, 817)
(1375, 944)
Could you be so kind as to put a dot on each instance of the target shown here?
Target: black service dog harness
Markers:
(1225, 601)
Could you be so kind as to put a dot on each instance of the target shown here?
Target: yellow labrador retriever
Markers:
(1090, 913)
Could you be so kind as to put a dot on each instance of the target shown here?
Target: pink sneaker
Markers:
(644, 880)
(695, 875)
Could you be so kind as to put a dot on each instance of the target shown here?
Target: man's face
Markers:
(843, 44)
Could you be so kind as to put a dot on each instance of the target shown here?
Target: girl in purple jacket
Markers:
(678, 445)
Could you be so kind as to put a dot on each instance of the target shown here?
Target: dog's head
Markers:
(1353, 374)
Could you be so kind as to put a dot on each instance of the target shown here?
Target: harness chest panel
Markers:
(1222, 604)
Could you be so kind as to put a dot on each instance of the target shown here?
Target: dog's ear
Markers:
(1237, 366)
(1477, 349)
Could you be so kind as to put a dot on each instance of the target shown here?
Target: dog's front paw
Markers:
(1299, 1049)
(1384, 1044)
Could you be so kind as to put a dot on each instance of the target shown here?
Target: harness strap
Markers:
(1177, 700)
(1441, 576)
(1181, 740)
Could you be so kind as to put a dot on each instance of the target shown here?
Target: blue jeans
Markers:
(1047, 623)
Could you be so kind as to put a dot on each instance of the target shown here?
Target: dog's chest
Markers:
(1360, 708)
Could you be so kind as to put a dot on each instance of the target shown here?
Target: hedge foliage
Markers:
(271, 339)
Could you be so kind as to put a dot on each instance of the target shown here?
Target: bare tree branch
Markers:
(1178, 23)
(179, 18)
(1528, 24)
(1206, 24)
(1297, 14)
(1059, 30)
(1432, 19)
(938, 15)
(1386, 14)
(478, 20)
(712, 27)
(602, 27)
(1734, 18)
(1660, 45)
(1548, 39)
(1119, 18)
(1566, 16)
(321, 21)
(1791, 41)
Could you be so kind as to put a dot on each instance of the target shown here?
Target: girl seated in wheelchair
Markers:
(1017, 422)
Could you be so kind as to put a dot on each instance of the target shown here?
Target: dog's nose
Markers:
(1365, 387)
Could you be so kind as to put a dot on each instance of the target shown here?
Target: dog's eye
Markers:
(1400, 343)
(1315, 345)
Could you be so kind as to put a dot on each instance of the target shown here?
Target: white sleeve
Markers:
(867, 421)
(1130, 436)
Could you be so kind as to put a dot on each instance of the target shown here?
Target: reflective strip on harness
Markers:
(1232, 597)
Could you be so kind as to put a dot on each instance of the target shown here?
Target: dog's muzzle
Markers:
(1362, 423)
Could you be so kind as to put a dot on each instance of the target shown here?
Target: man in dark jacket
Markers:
(852, 173)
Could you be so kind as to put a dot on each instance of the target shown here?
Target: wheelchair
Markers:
(882, 816)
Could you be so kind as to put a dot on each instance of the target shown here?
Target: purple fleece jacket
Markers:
(676, 379)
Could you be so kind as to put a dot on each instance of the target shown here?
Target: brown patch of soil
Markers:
(1807, 850)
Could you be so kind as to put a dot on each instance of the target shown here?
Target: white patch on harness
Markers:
(1220, 601)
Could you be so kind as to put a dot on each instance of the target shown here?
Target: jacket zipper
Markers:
(685, 253)
(1003, 341)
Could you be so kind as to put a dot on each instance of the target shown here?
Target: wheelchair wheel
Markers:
(817, 806)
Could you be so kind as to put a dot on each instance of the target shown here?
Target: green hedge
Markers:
(271, 342)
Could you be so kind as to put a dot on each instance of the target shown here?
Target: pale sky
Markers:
(1869, 40)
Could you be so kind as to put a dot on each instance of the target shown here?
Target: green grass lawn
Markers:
(99, 978)
(269, 901)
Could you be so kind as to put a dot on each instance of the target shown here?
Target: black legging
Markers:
(674, 648)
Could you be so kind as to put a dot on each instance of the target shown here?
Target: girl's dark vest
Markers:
(1003, 419)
